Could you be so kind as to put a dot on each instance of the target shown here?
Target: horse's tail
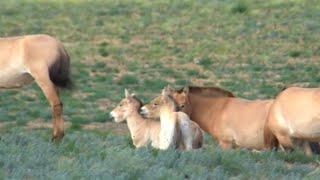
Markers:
(59, 71)
(315, 147)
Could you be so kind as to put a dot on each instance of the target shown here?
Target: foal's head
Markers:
(164, 102)
(126, 107)
(182, 99)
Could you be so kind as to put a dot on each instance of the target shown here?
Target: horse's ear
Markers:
(186, 89)
(164, 92)
(169, 89)
(126, 92)
(133, 95)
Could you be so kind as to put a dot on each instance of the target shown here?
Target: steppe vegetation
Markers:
(254, 48)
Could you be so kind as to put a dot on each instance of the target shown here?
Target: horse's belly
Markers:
(16, 79)
(308, 129)
(250, 141)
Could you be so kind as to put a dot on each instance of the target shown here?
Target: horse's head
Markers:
(182, 99)
(126, 106)
(154, 108)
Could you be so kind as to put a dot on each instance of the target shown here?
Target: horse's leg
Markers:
(226, 144)
(307, 148)
(285, 141)
(52, 94)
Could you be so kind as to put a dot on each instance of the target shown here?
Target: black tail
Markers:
(315, 147)
(59, 71)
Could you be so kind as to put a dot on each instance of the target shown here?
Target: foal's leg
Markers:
(52, 94)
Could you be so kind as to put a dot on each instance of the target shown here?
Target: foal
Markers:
(143, 131)
(176, 128)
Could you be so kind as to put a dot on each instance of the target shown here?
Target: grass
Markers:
(27, 154)
(251, 47)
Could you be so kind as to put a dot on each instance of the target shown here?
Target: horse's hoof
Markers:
(57, 137)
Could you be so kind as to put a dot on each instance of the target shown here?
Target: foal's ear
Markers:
(126, 92)
(168, 89)
(165, 92)
(186, 89)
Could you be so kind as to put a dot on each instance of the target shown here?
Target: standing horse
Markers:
(39, 58)
(294, 118)
(143, 131)
(230, 120)
(176, 127)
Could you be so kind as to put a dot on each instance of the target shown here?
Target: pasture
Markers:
(254, 48)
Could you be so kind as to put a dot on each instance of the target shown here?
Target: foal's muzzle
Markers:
(143, 111)
(111, 116)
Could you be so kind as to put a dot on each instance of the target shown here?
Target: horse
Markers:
(142, 130)
(294, 119)
(176, 128)
(231, 121)
(39, 58)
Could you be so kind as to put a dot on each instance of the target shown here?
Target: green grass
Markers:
(253, 48)
(94, 154)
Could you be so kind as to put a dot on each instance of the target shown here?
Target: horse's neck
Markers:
(204, 110)
(168, 125)
(167, 115)
(135, 121)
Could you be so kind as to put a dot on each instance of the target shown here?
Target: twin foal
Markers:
(175, 129)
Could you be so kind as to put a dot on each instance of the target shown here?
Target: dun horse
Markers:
(294, 118)
(143, 131)
(176, 127)
(39, 58)
(231, 121)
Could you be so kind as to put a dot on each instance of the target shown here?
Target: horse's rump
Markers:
(59, 71)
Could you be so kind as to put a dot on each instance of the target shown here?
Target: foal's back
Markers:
(190, 130)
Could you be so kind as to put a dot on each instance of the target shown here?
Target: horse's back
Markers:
(242, 112)
(40, 57)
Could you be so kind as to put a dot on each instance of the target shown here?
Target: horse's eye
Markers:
(120, 105)
(182, 106)
(155, 104)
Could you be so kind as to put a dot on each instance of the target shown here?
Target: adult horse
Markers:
(230, 120)
(294, 118)
(39, 58)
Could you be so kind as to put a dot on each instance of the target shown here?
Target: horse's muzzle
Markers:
(111, 116)
(143, 111)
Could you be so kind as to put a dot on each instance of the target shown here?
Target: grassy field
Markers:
(252, 47)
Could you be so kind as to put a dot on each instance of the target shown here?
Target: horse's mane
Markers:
(210, 91)
(138, 100)
(175, 105)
